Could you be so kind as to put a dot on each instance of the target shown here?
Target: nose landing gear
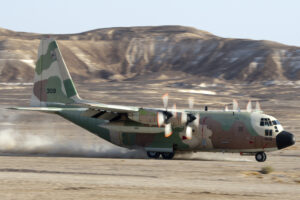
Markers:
(260, 156)
(165, 155)
(152, 154)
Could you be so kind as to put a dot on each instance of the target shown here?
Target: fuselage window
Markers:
(268, 132)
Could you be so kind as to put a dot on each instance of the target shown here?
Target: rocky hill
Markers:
(152, 52)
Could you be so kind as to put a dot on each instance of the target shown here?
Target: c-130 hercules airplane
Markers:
(159, 131)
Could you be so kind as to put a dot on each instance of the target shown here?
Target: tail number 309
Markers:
(51, 90)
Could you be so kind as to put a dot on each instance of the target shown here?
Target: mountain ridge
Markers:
(126, 53)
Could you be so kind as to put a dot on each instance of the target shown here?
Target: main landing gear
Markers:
(261, 157)
(165, 155)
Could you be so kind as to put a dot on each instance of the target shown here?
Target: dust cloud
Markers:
(13, 142)
(212, 156)
(17, 143)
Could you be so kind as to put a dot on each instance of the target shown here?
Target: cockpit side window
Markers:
(262, 123)
(269, 122)
(266, 122)
(274, 122)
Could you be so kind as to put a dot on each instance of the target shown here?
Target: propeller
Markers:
(226, 108)
(235, 105)
(165, 99)
(191, 102)
(163, 117)
(190, 119)
(174, 110)
(249, 106)
(257, 106)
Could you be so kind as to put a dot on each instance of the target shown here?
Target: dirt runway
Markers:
(45, 157)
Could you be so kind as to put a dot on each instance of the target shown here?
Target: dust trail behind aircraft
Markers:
(16, 141)
(13, 142)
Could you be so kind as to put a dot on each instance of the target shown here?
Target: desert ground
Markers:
(45, 157)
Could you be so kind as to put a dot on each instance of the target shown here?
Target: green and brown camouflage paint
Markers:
(230, 131)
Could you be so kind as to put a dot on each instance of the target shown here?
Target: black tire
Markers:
(265, 157)
(260, 157)
(167, 155)
(153, 154)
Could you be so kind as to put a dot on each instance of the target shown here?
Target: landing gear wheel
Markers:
(261, 157)
(265, 157)
(153, 154)
(168, 155)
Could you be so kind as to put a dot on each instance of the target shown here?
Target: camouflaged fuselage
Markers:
(226, 131)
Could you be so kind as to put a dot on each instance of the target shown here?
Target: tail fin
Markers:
(52, 82)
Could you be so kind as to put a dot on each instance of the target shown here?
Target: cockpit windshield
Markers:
(275, 122)
(265, 122)
(268, 122)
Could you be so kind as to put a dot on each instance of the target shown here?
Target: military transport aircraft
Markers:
(159, 131)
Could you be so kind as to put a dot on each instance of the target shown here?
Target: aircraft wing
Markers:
(111, 108)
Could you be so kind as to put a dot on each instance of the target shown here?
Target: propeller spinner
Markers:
(190, 119)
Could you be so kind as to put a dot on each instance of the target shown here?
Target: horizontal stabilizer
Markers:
(47, 109)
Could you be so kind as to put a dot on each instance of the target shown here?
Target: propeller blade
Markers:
(168, 130)
(197, 120)
(257, 106)
(183, 117)
(235, 105)
(249, 106)
(174, 110)
(191, 102)
(160, 119)
(165, 98)
(226, 108)
(189, 132)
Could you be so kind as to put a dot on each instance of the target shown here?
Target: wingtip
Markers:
(11, 108)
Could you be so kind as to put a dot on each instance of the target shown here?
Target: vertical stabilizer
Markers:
(53, 84)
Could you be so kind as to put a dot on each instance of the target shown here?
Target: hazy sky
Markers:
(276, 20)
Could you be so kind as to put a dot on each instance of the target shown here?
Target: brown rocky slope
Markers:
(133, 52)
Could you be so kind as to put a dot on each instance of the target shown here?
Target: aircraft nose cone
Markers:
(285, 139)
